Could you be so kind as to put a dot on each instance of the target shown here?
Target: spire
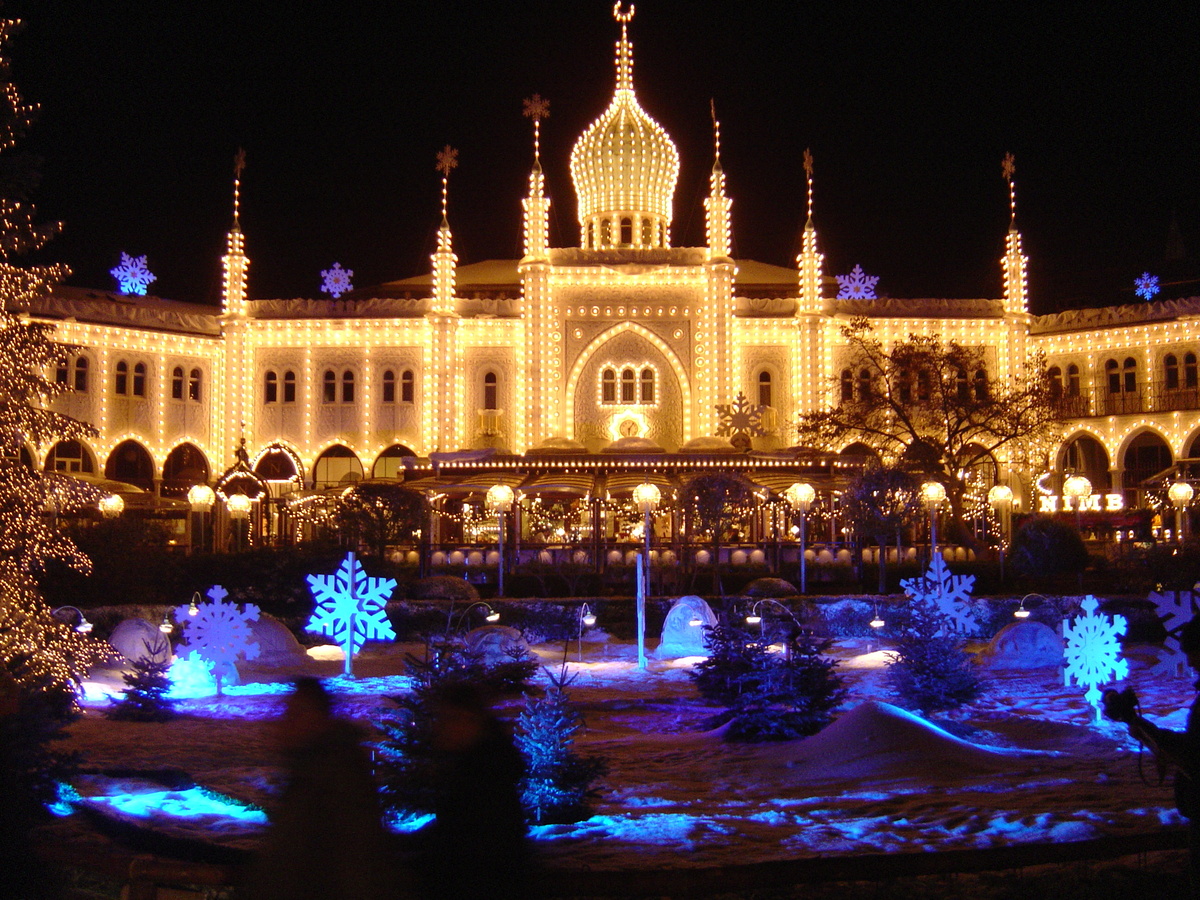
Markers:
(624, 48)
(444, 260)
(235, 263)
(717, 203)
(810, 259)
(537, 205)
(1014, 263)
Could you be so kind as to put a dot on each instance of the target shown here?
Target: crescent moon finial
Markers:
(623, 17)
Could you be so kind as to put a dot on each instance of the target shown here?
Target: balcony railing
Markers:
(1153, 397)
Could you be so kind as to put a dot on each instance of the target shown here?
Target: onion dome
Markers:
(625, 167)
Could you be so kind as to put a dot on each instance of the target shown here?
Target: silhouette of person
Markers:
(326, 838)
(1173, 750)
(477, 846)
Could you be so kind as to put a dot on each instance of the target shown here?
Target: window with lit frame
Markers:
(628, 385)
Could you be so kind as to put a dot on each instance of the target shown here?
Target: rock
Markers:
(770, 587)
(277, 645)
(493, 643)
(1025, 645)
(140, 639)
(679, 636)
(443, 587)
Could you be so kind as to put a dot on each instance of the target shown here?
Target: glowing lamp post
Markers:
(239, 511)
(1000, 496)
(646, 496)
(1180, 494)
(1076, 487)
(111, 506)
(201, 498)
(933, 495)
(500, 500)
(800, 497)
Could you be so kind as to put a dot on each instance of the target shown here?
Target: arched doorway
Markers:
(1084, 455)
(70, 457)
(184, 467)
(1146, 455)
(131, 463)
(337, 465)
(390, 463)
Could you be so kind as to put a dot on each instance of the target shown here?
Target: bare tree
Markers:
(880, 502)
(715, 501)
(379, 513)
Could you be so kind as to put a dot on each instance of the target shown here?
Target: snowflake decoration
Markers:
(740, 417)
(132, 275)
(950, 594)
(858, 285)
(336, 281)
(219, 633)
(1175, 609)
(1147, 285)
(350, 607)
(1093, 651)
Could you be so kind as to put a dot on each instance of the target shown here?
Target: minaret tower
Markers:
(238, 374)
(1015, 263)
(717, 373)
(717, 204)
(808, 377)
(443, 399)
(543, 357)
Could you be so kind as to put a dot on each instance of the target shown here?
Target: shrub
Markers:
(930, 670)
(145, 698)
(1046, 548)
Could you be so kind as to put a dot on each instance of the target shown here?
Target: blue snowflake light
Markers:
(218, 633)
(335, 281)
(1093, 651)
(132, 275)
(351, 607)
(1147, 285)
(858, 285)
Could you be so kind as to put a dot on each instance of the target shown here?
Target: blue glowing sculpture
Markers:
(949, 595)
(218, 633)
(858, 285)
(1093, 651)
(132, 275)
(336, 281)
(351, 607)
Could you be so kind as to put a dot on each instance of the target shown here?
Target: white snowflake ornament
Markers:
(351, 607)
(950, 594)
(858, 285)
(1093, 651)
(132, 275)
(739, 417)
(335, 281)
(218, 633)
(1175, 609)
(1146, 285)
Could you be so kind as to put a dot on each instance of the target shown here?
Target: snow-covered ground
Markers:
(1024, 763)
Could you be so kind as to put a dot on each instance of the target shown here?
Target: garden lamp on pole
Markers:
(587, 619)
(800, 497)
(1000, 496)
(500, 500)
(1076, 487)
(111, 506)
(1180, 494)
(201, 498)
(933, 495)
(239, 513)
(646, 496)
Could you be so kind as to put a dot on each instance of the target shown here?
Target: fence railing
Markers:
(1155, 396)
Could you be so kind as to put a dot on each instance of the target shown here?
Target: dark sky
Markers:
(908, 108)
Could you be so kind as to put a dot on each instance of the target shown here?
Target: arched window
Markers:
(289, 386)
(389, 386)
(194, 385)
(605, 232)
(270, 387)
(924, 385)
(1129, 371)
(627, 386)
(847, 385)
(491, 391)
(1113, 373)
(981, 384)
(608, 386)
(1072, 380)
(139, 380)
(177, 383)
(329, 387)
(60, 371)
(647, 392)
(865, 390)
(765, 397)
(81, 374)
(407, 382)
(960, 385)
(626, 232)
(121, 378)
(1189, 371)
(1054, 377)
(647, 232)
(348, 386)
(904, 386)
(1171, 371)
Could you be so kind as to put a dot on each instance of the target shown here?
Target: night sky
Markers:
(908, 109)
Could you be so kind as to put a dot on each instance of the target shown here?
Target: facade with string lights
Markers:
(624, 355)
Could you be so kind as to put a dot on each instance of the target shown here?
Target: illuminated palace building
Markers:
(578, 372)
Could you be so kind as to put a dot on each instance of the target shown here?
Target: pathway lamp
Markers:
(500, 500)
(646, 496)
(1076, 487)
(800, 497)
(201, 498)
(239, 512)
(111, 506)
(1000, 496)
(587, 619)
(933, 495)
(82, 625)
(1180, 494)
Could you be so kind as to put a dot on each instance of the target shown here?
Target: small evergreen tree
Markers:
(558, 781)
(769, 696)
(145, 698)
(930, 670)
